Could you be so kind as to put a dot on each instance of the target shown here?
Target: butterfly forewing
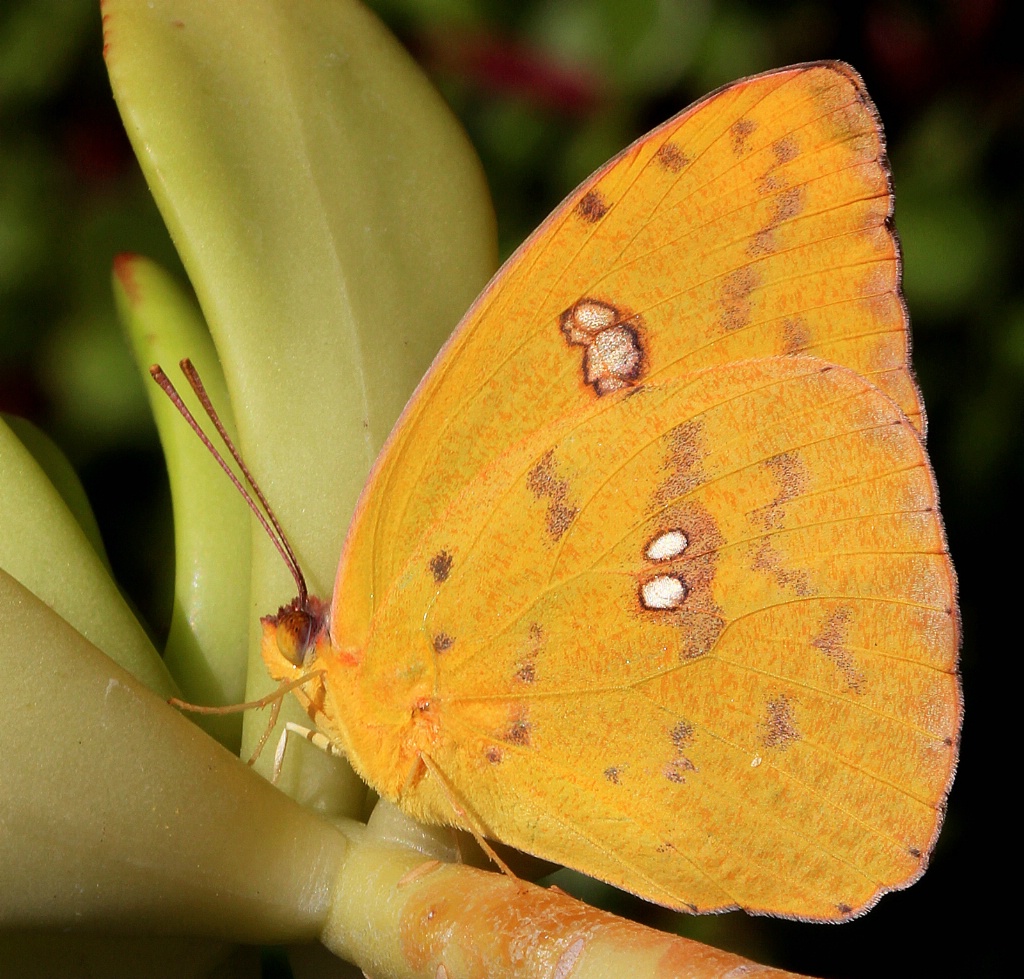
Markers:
(755, 223)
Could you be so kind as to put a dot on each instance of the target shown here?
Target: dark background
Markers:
(549, 89)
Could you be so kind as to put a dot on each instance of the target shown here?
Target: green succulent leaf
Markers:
(124, 817)
(206, 647)
(335, 224)
(44, 546)
(62, 475)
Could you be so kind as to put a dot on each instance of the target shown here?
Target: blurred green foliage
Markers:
(549, 89)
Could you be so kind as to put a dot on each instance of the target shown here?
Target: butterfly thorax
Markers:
(390, 712)
(378, 709)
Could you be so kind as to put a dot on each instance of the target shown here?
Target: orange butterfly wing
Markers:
(765, 717)
(755, 223)
(698, 641)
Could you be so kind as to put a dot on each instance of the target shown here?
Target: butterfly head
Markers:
(294, 634)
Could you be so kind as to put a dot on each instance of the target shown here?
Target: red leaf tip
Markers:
(124, 269)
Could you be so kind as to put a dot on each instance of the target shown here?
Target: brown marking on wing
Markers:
(527, 673)
(591, 207)
(785, 149)
(519, 733)
(734, 298)
(543, 482)
(516, 729)
(796, 335)
(442, 642)
(613, 774)
(762, 243)
(676, 769)
(779, 727)
(790, 473)
(671, 157)
(787, 204)
(831, 641)
(741, 131)
(441, 566)
(699, 633)
(681, 736)
(559, 519)
(767, 559)
(686, 451)
(526, 670)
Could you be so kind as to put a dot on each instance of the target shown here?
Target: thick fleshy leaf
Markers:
(397, 914)
(333, 220)
(206, 647)
(43, 546)
(62, 475)
(71, 956)
(119, 815)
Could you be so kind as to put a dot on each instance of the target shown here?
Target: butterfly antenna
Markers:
(192, 375)
(272, 527)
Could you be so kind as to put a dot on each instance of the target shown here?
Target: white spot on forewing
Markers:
(566, 961)
(665, 591)
(592, 317)
(669, 545)
(612, 352)
(755, 761)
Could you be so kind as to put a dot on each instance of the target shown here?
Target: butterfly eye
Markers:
(295, 629)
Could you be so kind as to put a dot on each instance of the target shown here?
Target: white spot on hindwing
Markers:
(664, 592)
(666, 546)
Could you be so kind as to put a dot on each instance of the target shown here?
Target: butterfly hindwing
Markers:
(713, 617)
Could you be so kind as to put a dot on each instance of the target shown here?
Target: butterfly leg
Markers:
(465, 816)
(271, 698)
(275, 712)
(315, 738)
